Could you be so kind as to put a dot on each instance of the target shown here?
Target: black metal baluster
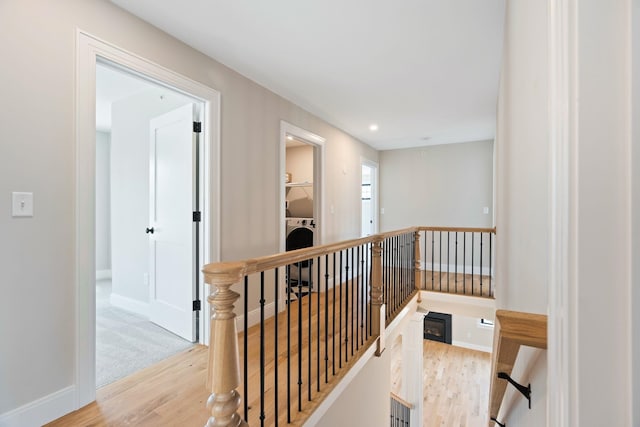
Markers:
(481, 278)
(424, 269)
(473, 235)
(340, 316)
(318, 324)
(333, 319)
(289, 343)
(310, 273)
(464, 263)
(299, 301)
(275, 345)
(326, 319)
(357, 300)
(433, 261)
(448, 260)
(262, 301)
(456, 266)
(440, 272)
(346, 310)
(245, 340)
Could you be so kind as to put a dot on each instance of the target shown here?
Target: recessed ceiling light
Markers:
(373, 127)
(289, 137)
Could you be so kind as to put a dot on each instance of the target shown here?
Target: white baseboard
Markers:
(254, 316)
(472, 346)
(103, 274)
(130, 304)
(41, 411)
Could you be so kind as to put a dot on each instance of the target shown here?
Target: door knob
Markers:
(149, 230)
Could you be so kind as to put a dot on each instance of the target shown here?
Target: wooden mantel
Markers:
(512, 330)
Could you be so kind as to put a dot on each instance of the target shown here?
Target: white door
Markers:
(171, 230)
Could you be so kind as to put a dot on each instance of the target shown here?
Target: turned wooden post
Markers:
(223, 374)
(377, 302)
(417, 262)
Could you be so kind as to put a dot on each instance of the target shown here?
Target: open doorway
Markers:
(146, 241)
(369, 198)
(92, 51)
(301, 190)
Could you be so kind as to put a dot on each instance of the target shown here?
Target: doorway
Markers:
(145, 283)
(369, 198)
(301, 187)
(92, 53)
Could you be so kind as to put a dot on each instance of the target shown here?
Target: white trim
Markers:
(130, 304)
(472, 346)
(254, 316)
(89, 50)
(103, 274)
(561, 374)
(318, 186)
(41, 411)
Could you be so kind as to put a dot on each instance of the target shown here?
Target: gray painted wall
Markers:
(442, 185)
(38, 255)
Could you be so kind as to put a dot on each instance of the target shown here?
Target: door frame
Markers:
(89, 51)
(375, 193)
(318, 143)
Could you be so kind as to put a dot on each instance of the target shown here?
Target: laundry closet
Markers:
(299, 210)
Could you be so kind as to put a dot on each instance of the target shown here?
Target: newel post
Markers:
(223, 374)
(377, 302)
(416, 255)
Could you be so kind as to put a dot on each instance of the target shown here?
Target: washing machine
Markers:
(299, 275)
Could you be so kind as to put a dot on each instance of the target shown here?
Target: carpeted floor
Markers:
(127, 342)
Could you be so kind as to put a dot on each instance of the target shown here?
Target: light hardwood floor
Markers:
(452, 283)
(456, 384)
(172, 393)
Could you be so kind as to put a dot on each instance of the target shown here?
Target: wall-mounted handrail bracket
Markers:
(498, 422)
(526, 391)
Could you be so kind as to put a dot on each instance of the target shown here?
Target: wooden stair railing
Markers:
(388, 251)
(512, 330)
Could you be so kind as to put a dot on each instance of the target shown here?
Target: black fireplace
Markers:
(437, 327)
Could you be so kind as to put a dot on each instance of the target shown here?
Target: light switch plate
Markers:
(485, 210)
(21, 204)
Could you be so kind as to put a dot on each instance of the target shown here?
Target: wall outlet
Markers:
(145, 279)
(485, 210)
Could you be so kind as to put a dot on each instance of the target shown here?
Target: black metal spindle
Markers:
(440, 259)
(357, 301)
(326, 319)
(288, 343)
(299, 301)
(464, 262)
(309, 337)
(456, 264)
(473, 235)
(354, 303)
(318, 324)
(448, 261)
(481, 276)
(433, 262)
(245, 340)
(333, 319)
(275, 344)
(340, 316)
(262, 301)
(346, 309)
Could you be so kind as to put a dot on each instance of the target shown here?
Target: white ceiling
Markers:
(426, 71)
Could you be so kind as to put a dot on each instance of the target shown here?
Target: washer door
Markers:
(299, 238)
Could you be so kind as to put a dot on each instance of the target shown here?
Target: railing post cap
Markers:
(224, 272)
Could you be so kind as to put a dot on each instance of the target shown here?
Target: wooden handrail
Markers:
(512, 330)
(459, 229)
(401, 400)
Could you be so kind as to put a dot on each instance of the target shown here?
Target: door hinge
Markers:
(197, 127)
(197, 216)
(196, 305)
